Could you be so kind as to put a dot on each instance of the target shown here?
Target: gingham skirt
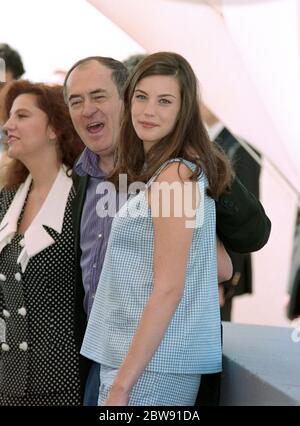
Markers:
(154, 389)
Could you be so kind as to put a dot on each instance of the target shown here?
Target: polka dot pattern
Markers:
(41, 366)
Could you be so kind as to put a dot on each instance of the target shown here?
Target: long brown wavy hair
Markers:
(50, 100)
(188, 139)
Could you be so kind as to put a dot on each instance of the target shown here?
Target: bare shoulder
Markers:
(175, 172)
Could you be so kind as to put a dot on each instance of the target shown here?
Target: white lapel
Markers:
(51, 214)
(8, 226)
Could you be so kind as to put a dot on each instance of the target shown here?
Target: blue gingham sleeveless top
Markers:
(192, 341)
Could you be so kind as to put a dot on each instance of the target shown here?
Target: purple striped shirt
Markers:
(94, 230)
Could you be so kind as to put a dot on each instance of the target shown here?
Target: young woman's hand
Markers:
(117, 397)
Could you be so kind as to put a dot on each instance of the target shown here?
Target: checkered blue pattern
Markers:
(155, 389)
(192, 342)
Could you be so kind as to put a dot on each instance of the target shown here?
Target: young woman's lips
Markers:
(147, 124)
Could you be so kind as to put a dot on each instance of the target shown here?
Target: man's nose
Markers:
(89, 108)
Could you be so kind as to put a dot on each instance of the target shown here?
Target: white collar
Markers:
(51, 214)
(215, 130)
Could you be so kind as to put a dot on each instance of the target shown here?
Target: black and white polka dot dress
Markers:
(39, 360)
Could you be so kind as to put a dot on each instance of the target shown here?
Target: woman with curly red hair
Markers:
(38, 352)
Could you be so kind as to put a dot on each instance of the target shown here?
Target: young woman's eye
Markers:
(164, 101)
(141, 97)
(21, 115)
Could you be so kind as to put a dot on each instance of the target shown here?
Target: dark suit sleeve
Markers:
(76, 180)
(242, 224)
(247, 169)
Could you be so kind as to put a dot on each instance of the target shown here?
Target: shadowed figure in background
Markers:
(294, 279)
(14, 69)
(133, 60)
(247, 170)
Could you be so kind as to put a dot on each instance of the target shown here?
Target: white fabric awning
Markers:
(246, 56)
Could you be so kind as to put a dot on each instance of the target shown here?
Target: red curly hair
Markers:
(50, 100)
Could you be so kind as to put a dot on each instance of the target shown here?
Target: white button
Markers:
(22, 311)
(18, 276)
(6, 313)
(99, 235)
(22, 242)
(23, 346)
(5, 347)
(2, 277)
(94, 266)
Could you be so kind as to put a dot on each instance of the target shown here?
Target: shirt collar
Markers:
(51, 214)
(87, 164)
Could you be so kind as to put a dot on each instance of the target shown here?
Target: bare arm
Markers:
(225, 269)
(172, 241)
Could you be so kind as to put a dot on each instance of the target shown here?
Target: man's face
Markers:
(95, 106)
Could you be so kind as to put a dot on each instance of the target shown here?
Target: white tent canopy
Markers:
(246, 56)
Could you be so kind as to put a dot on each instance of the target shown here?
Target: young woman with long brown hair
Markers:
(155, 322)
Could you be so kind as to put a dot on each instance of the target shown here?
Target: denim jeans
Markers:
(91, 392)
